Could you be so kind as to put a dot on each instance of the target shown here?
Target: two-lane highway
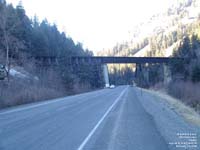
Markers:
(112, 119)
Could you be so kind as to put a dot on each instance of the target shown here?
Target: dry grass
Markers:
(20, 91)
(42, 83)
(16, 93)
(187, 112)
(187, 92)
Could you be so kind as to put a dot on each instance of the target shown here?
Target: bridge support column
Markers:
(146, 75)
(142, 75)
(137, 69)
(167, 74)
(138, 72)
(105, 74)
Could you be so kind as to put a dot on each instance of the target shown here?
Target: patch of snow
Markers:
(16, 73)
(142, 52)
(169, 51)
(19, 72)
(186, 20)
(36, 78)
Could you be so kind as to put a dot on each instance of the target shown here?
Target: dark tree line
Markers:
(31, 37)
(189, 67)
(22, 38)
(121, 75)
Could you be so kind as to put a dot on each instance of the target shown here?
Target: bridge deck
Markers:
(102, 60)
(113, 60)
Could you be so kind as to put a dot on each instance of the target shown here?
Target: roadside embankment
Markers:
(189, 114)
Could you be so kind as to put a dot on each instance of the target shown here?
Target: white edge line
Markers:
(100, 121)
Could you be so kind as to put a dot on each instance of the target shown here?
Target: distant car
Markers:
(112, 86)
(107, 86)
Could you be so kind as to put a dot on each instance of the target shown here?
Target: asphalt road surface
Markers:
(124, 118)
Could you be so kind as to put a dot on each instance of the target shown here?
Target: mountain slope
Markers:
(162, 32)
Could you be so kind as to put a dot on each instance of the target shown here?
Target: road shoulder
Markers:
(185, 111)
(168, 121)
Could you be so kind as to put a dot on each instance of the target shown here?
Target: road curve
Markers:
(108, 119)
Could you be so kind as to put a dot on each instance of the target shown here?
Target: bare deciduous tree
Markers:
(8, 24)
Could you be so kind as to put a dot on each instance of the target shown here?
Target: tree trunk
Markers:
(7, 58)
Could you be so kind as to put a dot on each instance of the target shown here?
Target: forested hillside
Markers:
(161, 35)
(185, 82)
(172, 33)
(22, 38)
(162, 32)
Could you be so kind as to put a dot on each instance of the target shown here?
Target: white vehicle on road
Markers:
(112, 86)
(107, 86)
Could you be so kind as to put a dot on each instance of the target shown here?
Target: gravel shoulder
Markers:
(170, 117)
(188, 113)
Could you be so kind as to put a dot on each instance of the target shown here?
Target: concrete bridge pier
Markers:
(138, 73)
(137, 70)
(106, 76)
(145, 71)
(167, 74)
(142, 75)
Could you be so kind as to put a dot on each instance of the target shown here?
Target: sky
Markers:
(98, 24)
